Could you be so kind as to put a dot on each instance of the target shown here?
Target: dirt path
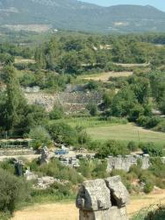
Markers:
(106, 75)
(70, 212)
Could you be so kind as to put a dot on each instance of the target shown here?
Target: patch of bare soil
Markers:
(61, 211)
(105, 76)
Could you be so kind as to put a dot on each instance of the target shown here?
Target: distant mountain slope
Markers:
(76, 15)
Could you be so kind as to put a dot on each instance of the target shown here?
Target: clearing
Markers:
(20, 60)
(68, 211)
(105, 75)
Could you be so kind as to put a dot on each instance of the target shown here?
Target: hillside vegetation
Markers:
(73, 14)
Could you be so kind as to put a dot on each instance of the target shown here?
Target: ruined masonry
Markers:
(125, 162)
(103, 199)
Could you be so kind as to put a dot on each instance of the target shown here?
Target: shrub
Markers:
(62, 132)
(5, 215)
(160, 126)
(12, 191)
(157, 167)
(92, 108)
(151, 149)
(132, 146)
(40, 136)
(58, 170)
(148, 187)
(113, 148)
(92, 85)
(56, 113)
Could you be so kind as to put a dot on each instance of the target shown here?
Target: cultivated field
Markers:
(104, 130)
(62, 211)
(125, 132)
(105, 75)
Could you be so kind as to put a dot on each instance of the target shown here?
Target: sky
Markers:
(160, 4)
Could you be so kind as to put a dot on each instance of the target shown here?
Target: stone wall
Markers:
(71, 102)
(103, 199)
(125, 162)
(14, 152)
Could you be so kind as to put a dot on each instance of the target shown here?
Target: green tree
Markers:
(62, 132)
(40, 136)
(123, 102)
(15, 101)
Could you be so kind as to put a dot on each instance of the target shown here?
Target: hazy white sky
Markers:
(160, 4)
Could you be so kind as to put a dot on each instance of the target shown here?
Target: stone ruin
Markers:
(45, 155)
(103, 199)
(19, 166)
(125, 162)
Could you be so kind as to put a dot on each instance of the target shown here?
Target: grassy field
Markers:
(104, 130)
(128, 132)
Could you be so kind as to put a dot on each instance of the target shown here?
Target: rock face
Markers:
(125, 162)
(118, 191)
(45, 155)
(102, 199)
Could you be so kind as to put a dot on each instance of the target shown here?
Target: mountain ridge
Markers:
(80, 16)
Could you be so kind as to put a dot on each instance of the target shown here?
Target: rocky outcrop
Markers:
(102, 199)
(125, 162)
(45, 155)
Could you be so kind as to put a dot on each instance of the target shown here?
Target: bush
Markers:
(151, 213)
(58, 171)
(160, 126)
(92, 85)
(151, 149)
(12, 191)
(92, 108)
(93, 168)
(148, 122)
(113, 148)
(63, 133)
(5, 215)
(56, 113)
(132, 146)
(157, 167)
(40, 136)
(148, 187)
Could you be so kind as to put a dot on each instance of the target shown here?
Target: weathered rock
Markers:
(30, 175)
(45, 182)
(125, 162)
(102, 200)
(45, 155)
(119, 193)
(19, 165)
(93, 195)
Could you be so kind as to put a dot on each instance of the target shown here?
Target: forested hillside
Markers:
(73, 15)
